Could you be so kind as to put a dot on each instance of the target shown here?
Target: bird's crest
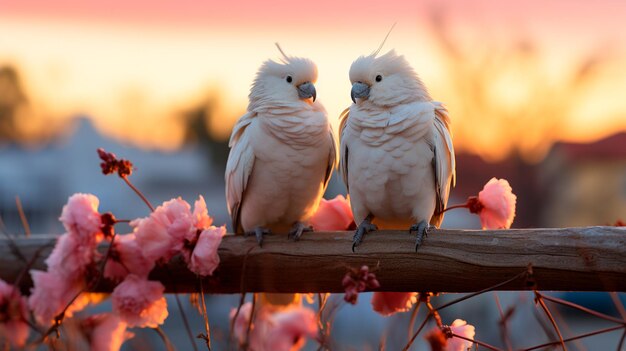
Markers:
(375, 53)
(285, 57)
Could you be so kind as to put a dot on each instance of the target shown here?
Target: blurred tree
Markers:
(200, 125)
(12, 102)
(504, 92)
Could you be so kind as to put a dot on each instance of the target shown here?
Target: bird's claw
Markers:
(422, 229)
(259, 232)
(365, 227)
(297, 230)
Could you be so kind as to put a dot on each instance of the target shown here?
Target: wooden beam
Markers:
(576, 259)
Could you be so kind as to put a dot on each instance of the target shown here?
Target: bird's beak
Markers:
(307, 90)
(359, 90)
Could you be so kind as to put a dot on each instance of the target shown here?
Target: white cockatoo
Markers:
(397, 157)
(282, 152)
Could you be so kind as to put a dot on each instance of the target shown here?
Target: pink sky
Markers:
(166, 53)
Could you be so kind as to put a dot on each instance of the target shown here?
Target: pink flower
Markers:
(69, 259)
(140, 302)
(81, 218)
(461, 328)
(106, 332)
(50, 294)
(240, 326)
(284, 330)
(355, 282)
(388, 303)
(496, 205)
(13, 315)
(161, 235)
(127, 258)
(334, 214)
(204, 258)
(201, 217)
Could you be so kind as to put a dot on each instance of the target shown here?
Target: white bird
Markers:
(397, 157)
(282, 152)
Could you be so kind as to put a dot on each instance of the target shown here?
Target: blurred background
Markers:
(535, 90)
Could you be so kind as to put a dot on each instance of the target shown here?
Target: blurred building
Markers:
(584, 184)
(45, 178)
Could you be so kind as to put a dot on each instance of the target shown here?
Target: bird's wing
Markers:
(343, 148)
(332, 158)
(444, 164)
(238, 168)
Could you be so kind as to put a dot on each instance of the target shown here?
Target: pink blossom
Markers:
(50, 294)
(140, 302)
(13, 315)
(127, 258)
(388, 303)
(284, 330)
(496, 204)
(69, 259)
(107, 332)
(461, 328)
(204, 259)
(240, 325)
(81, 218)
(161, 235)
(334, 214)
(201, 217)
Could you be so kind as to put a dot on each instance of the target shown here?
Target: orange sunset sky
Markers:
(516, 75)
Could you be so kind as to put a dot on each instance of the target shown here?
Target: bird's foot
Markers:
(297, 230)
(365, 227)
(422, 229)
(259, 232)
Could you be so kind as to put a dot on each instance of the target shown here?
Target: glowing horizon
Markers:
(133, 65)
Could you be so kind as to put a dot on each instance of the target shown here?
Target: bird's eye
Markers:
(379, 78)
(289, 79)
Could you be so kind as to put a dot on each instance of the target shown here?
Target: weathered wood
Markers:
(576, 259)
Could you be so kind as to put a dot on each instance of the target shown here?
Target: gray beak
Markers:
(359, 90)
(307, 90)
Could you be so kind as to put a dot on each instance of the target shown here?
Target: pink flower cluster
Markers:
(13, 315)
(72, 259)
(334, 214)
(274, 330)
(355, 282)
(172, 229)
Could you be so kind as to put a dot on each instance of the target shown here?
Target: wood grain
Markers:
(573, 259)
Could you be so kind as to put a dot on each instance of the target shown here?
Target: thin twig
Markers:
(182, 312)
(242, 284)
(491, 288)
(408, 345)
(414, 312)
(483, 344)
(138, 193)
(581, 308)
(602, 331)
(539, 299)
(621, 341)
(166, 340)
(503, 323)
(185, 322)
(20, 211)
(205, 316)
(618, 304)
(251, 321)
